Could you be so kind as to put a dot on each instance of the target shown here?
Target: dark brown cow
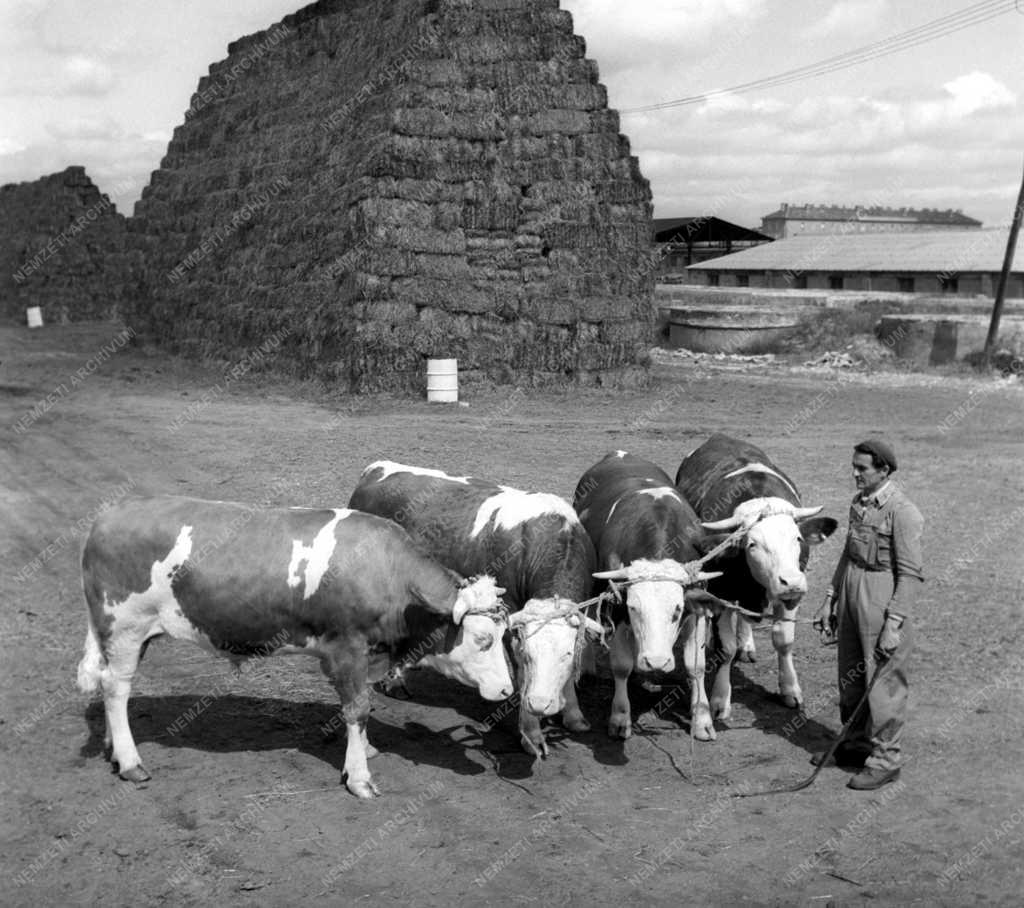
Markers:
(732, 485)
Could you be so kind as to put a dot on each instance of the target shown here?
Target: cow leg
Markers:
(783, 635)
(746, 651)
(621, 655)
(530, 733)
(347, 670)
(572, 716)
(694, 638)
(721, 693)
(116, 683)
(368, 748)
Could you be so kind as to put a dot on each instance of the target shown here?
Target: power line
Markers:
(922, 34)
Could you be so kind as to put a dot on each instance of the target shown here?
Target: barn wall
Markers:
(379, 183)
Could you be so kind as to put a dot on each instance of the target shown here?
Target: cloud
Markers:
(848, 18)
(84, 75)
(978, 91)
(632, 39)
(10, 147)
(100, 127)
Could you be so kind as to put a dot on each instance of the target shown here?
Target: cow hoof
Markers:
(620, 728)
(135, 774)
(705, 732)
(575, 723)
(395, 690)
(537, 748)
(722, 711)
(745, 655)
(363, 788)
(791, 701)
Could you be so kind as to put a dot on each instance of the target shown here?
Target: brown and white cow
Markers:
(534, 546)
(644, 534)
(348, 588)
(732, 485)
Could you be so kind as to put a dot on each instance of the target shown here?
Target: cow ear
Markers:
(817, 529)
(419, 598)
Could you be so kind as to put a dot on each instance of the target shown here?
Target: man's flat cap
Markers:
(880, 449)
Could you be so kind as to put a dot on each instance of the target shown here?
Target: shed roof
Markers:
(703, 229)
(954, 251)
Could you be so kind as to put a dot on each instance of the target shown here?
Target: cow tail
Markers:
(92, 664)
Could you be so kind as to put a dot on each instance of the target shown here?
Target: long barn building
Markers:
(955, 262)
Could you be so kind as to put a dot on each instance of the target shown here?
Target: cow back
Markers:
(249, 577)
(715, 478)
(531, 543)
(626, 516)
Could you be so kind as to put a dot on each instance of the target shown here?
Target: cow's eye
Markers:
(484, 641)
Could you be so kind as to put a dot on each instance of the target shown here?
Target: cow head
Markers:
(775, 543)
(657, 600)
(548, 636)
(477, 656)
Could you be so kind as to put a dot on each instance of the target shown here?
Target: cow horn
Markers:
(459, 611)
(730, 523)
(701, 576)
(592, 627)
(618, 574)
(516, 619)
(803, 513)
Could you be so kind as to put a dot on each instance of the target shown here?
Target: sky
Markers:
(103, 84)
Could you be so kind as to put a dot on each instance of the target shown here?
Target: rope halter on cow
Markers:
(480, 596)
(537, 613)
(665, 570)
(743, 522)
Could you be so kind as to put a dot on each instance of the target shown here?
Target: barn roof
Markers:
(703, 229)
(872, 213)
(952, 251)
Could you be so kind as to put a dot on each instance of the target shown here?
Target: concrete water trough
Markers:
(735, 329)
(933, 339)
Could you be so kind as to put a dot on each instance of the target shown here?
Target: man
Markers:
(873, 591)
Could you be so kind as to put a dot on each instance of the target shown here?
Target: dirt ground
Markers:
(245, 805)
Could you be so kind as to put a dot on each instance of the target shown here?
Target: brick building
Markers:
(822, 220)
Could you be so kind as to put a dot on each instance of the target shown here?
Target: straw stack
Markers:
(417, 180)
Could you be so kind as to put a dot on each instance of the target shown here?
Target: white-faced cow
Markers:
(534, 546)
(349, 588)
(644, 533)
(732, 485)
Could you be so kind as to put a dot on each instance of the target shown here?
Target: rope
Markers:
(805, 783)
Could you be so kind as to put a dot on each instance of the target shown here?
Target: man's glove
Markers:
(890, 638)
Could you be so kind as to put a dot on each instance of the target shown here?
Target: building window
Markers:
(835, 282)
(906, 284)
(742, 280)
(712, 278)
(949, 284)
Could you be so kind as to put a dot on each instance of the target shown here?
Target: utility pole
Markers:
(1004, 277)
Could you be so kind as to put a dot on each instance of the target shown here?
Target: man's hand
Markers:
(825, 619)
(890, 638)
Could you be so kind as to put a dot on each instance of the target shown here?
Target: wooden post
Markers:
(1004, 277)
